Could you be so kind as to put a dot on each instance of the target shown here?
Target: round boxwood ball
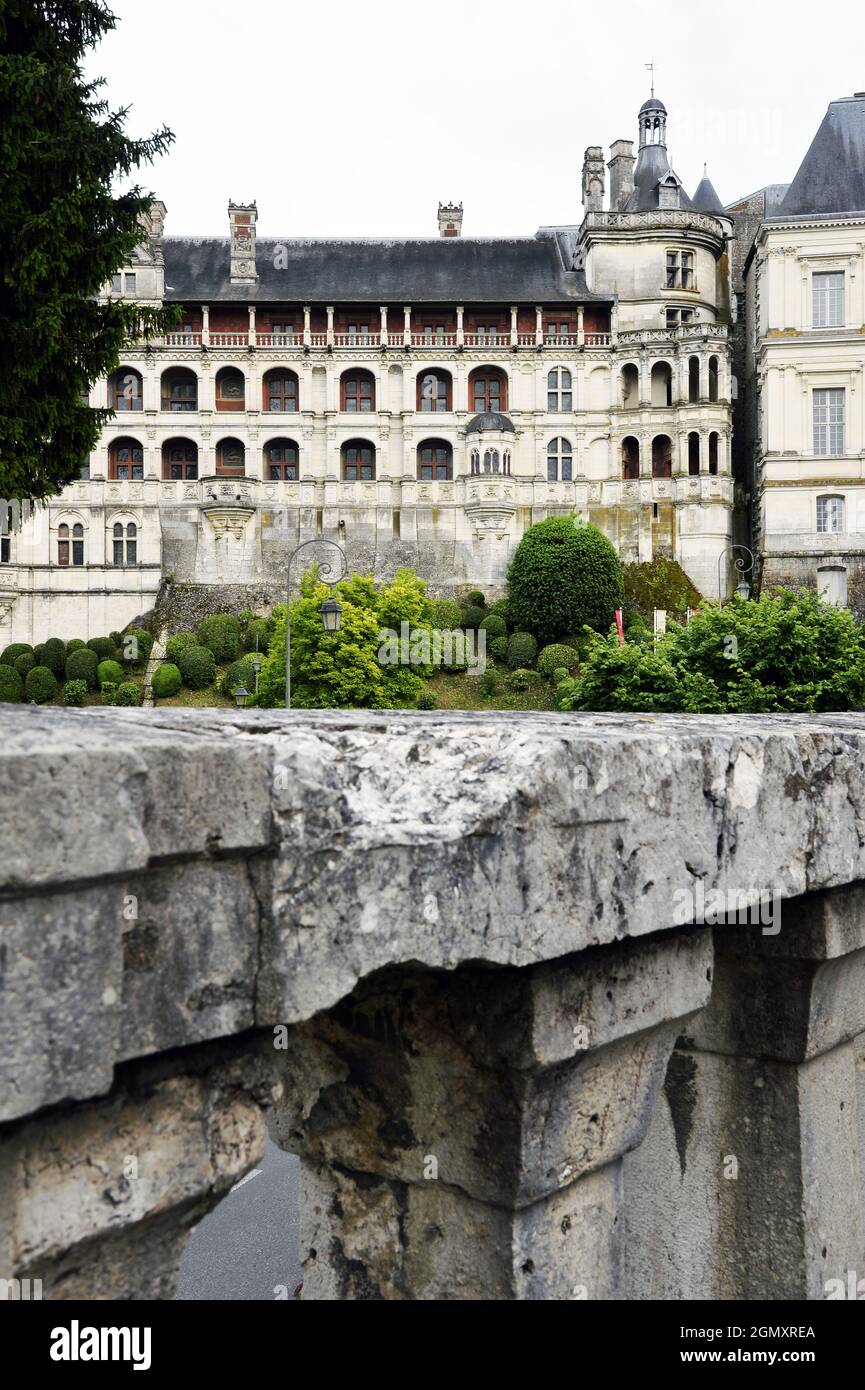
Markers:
(128, 693)
(494, 626)
(499, 649)
(563, 575)
(8, 655)
(198, 668)
(556, 658)
(221, 635)
(74, 693)
(11, 685)
(74, 644)
(135, 648)
(82, 666)
(178, 644)
(166, 680)
(476, 599)
(52, 654)
(447, 616)
(427, 700)
(239, 673)
(109, 673)
(103, 647)
(24, 663)
(472, 616)
(522, 651)
(40, 685)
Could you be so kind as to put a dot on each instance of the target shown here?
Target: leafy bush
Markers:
(522, 650)
(40, 685)
(446, 615)
(74, 644)
(178, 644)
(103, 647)
(24, 663)
(245, 618)
(786, 652)
(521, 680)
(239, 673)
(472, 617)
(220, 633)
(198, 668)
(564, 575)
(74, 693)
(489, 683)
(500, 608)
(109, 693)
(135, 648)
(167, 681)
(117, 639)
(499, 648)
(560, 675)
(109, 673)
(128, 693)
(262, 629)
(476, 600)
(660, 583)
(494, 626)
(427, 700)
(52, 655)
(8, 655)
(82, 666)
(554, 658)
(11, 684)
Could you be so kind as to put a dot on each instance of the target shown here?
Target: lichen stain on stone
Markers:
(680, 1088)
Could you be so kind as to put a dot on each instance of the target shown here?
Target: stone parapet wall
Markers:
(449, 960)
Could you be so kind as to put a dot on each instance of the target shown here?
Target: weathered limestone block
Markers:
(464, 1132)
(750, 1183)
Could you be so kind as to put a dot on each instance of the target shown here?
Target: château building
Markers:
(422, 402)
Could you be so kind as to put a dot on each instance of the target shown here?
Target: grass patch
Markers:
(463, 692)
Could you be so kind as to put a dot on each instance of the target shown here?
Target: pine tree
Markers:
(64, 231)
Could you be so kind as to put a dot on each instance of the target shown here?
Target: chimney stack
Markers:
(594, 180)
(621, 167)
(450, 219)
(242, 218)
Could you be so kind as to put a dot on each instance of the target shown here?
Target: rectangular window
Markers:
(829, 423)
(567, 465)
(132, 552)
(830, 515)
(828, 300)
(118, 552)
(672, 270)
(130, 283)
(116, 284)
(78, 552)
(5, 550)
(687, 270)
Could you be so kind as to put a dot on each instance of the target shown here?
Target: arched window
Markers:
(435, 461)
(488, 390)
(630, 386)
(492, 462)
(714, 373)
(831, 518)
(358, 393)
(179, 390)
(230, 457)
(693, 380)
(475, 461)
(662, 384)
(560, 461)
(713, 453)
(630, 459)
(282, 460)
(662, 456)
(125, 460)
(70, 543)
(125, 543)
(125, 390)
(179, 459)
(358, 461)
(694, 454)
(559, 390)
(230, 389)
(280, 392)
(434, 392)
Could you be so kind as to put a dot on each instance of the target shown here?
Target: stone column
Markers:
(539, 325)
(461, 337)
(252, 335)
(406, 332)
(514, 326)
(581, 326)
(383, 337)
(750, 1184)
(205, 325)
(307, 326)
(330, 338)
(462, 1134)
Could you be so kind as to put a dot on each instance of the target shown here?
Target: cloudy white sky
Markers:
(354, 119)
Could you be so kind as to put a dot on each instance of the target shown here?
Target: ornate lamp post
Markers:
(331, 611)
(743, 562)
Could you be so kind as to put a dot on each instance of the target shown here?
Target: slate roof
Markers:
(706, 199)
(653, 104)
(831, 178)
(461, 270)
(490, 420)
(653, 165)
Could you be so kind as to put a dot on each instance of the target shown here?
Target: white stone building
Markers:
(421, 402)
(805, 295)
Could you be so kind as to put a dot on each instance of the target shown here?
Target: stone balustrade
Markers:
(472, 969)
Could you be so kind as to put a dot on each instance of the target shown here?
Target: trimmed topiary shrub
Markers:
(82, 666)
(103, 647)
(563, 576)
(557, 658)
(522, 651)
(500, 607)
(109, 673)
(8, 655)
(494, 626)
(472, 617)
(40, 685)
(135, 648)
(520, 680)
(427, 700)
(74, 644)
(221, 635)
(11, 684)
(447, 616)
(476, 599)
(261, 629)
(660, 583)
(117, 639)
(178, 644)
(52, 655)
(74, 693)
(128, 693)
(109, 693)
(24, 663)
(489, 684)
(166, 680)
(499, 648)
(198, 668)
(239, 673)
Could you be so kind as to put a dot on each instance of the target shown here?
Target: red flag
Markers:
(621, 626)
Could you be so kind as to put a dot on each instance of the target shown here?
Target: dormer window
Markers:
(669, 195)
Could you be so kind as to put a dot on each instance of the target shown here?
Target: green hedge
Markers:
(82, 666)
(40, 685)
(447, 616)
(52, 655)
(24, 663)
(11, 684)
(178, 644)
(135, 648)
(494, 626)
(221, 635)
(198, 668)
(103, 647)
(166, 680)
(109, 673)
(522, 651)
(564, 576)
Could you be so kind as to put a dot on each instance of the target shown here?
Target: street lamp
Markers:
(331, 611)
(743, 563)
(241, 695)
